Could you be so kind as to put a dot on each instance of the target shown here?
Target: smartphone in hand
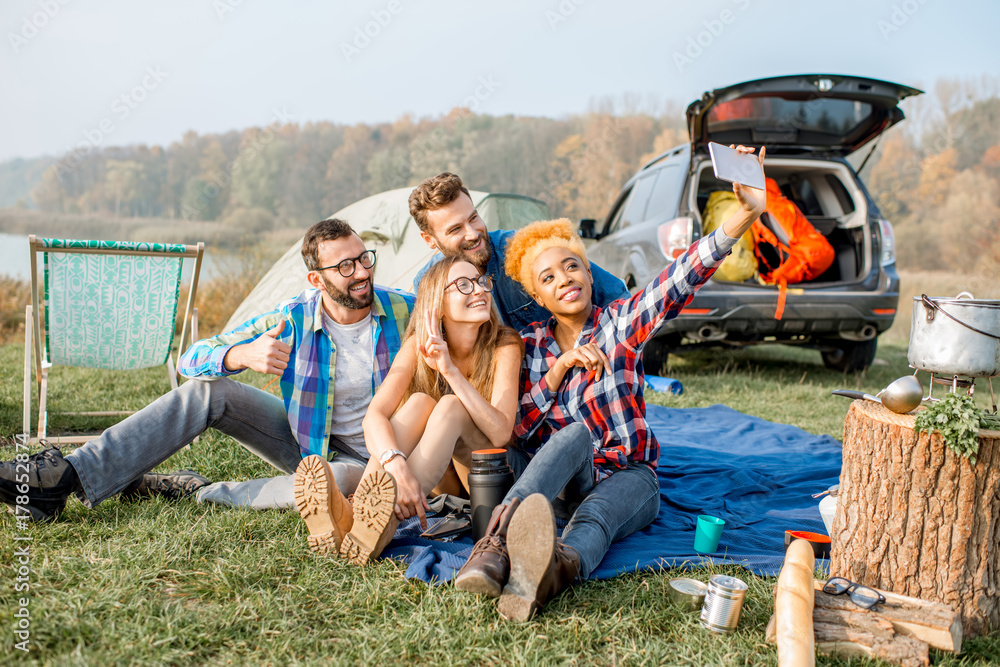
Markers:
(735, 167)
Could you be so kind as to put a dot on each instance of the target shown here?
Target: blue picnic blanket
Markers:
(756, 475)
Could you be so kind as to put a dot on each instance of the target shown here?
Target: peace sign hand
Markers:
(435, 351)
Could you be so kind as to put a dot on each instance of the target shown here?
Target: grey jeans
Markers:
(255, 418)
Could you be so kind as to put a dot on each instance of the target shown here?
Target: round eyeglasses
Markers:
(347, 267)
(467, 285)
(864, 597)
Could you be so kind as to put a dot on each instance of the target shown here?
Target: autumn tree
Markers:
(256, 170)
(123, 180)
(894, 178)
(936, 174)
(346, 175)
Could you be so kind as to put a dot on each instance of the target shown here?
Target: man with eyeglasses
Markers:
(331, 347)
(449, 223)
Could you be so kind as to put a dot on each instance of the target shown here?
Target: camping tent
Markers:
(385, 224)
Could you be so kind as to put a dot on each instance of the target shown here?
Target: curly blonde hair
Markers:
(531, 241)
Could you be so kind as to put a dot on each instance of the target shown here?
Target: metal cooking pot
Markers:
(959, 336)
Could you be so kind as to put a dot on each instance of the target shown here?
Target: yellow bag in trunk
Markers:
(742, 264)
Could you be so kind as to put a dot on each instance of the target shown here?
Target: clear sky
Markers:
(120, 71)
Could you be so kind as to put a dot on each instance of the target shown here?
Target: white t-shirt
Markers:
(352, 379)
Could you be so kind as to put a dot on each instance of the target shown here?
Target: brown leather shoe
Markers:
(374, 518)
(541, 566)
(488, 567)
(322, 506)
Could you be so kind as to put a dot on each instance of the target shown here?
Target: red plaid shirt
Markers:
(612, 408)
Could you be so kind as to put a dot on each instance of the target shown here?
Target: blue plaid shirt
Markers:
(307, 383)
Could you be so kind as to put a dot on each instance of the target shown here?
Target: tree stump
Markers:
(917, 519)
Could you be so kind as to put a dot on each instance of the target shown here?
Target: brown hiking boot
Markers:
(321, 504)
(541, 566)
(374, 518)
(488, 567)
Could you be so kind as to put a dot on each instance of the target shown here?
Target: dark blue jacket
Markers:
(517, 309)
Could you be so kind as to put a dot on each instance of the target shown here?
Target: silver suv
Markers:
(809, 123)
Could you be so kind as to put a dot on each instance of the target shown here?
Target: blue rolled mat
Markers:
(657, 383)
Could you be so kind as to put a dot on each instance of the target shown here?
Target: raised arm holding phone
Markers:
(582, 413)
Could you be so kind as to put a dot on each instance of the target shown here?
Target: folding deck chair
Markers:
(108, 304)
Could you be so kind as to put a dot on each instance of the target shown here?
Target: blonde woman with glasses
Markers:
(452, 389)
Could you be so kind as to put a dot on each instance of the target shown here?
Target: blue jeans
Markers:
(615, 508)
(125, 451)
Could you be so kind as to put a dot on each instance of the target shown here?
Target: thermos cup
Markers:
(490, 478)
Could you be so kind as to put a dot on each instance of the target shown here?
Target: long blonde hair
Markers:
(492, 336)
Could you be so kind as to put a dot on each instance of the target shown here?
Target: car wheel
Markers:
(850, 356)
(655, 356)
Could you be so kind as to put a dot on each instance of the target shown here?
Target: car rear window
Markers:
(823, 115)
(666, 193)
(640, 197)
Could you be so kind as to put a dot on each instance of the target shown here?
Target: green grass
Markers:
(180, 583)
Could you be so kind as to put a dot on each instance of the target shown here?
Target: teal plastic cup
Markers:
(707, 534)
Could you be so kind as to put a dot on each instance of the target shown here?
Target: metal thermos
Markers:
(490, 478)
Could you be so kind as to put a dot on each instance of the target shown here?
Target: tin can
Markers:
(723, 603)
(689, 594)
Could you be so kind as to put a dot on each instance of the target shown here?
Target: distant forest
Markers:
(936, 176)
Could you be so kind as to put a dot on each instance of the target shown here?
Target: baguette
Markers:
(793, 607)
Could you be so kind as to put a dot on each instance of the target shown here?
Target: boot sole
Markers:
(317, 498)
(478, 583)
(531, 542)
(374, 518)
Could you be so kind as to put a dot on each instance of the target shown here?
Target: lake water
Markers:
(15, 261)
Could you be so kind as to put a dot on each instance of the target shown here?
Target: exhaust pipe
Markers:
(866, 332)
(707, 333)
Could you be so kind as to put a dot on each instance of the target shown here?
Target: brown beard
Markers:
(345, 298)
(481, 258)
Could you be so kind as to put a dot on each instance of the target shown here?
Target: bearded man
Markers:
(450, 224)
(337, 339)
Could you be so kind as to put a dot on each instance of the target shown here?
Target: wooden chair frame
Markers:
(33, 333)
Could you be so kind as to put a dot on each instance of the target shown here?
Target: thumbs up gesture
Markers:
(265, 354)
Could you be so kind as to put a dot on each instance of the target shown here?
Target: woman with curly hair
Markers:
(452, 389)
(583, 371)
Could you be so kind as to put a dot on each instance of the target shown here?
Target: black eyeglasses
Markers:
(864, 597)
(348, 266)
(467, 285)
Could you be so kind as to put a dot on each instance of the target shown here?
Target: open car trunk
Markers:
(827, 194)
(831, 115)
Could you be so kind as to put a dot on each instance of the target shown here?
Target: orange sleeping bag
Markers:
(803, 255)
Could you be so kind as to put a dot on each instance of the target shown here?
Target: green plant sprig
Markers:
(957, 418)
(989, 421)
